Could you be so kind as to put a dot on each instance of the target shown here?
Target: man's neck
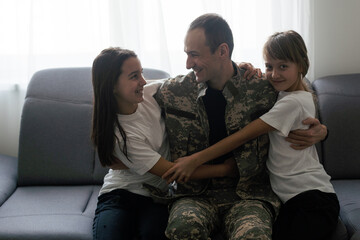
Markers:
(227, 71)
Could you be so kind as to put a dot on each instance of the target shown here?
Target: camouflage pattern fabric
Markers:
(248, 219)
(192, 218)
(188, 132)
(200, 217)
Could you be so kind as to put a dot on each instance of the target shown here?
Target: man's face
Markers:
(199, 57)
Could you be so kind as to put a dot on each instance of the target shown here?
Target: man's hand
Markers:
(302, 138)
(250, 70)
(119, 165)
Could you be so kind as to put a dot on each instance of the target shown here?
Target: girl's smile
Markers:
(283, 75)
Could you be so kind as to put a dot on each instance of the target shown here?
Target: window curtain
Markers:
(39, 34)
(158, 29)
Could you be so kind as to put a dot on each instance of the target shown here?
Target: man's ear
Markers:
(224, 50)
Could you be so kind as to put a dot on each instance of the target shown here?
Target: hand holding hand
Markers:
(182, 170)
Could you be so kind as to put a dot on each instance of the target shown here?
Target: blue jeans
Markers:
(124, 215)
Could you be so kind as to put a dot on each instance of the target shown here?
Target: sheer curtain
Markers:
(156, 29)
(38, 34)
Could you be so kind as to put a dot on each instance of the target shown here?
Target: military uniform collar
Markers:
(231, 86)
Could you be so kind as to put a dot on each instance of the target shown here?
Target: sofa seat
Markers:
(348, 192)
(49, 212)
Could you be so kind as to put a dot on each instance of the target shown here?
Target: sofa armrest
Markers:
(8, 177)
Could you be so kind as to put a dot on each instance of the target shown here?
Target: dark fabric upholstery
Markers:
(8, 176)
(49, 212)
(339, 106)
(348, 192)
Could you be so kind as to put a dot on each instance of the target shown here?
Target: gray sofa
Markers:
(50, 191)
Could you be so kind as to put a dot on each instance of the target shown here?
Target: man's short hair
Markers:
(217, 31)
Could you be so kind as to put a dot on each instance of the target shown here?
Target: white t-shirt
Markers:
(146, 143)
(293, 171)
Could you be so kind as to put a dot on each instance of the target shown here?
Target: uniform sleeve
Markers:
(141, 157)
(283, 115)
(159, 95)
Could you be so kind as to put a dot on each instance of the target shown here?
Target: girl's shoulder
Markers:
(294, 96)
(296, 100)
(152, 86)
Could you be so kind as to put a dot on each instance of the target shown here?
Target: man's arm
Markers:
(301, 139)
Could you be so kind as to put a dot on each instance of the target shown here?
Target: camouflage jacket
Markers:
(188, 128)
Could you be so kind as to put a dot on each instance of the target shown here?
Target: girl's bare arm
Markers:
(183, 168)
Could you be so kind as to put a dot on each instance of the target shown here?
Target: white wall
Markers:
(336, 46)
(337, 37)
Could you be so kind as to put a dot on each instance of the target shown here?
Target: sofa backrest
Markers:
(339, 109)
(54, 145)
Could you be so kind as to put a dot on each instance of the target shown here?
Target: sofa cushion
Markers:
(348, 192)
(54, 145)
(339, 108)
(8, 176)
(63, 212)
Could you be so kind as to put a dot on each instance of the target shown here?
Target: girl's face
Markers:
(283, 75)
(129, 87)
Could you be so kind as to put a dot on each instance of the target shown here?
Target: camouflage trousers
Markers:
(200, 217)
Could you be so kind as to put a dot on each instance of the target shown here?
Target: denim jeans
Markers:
(124, 215)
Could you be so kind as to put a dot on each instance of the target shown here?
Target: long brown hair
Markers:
(106, 70)
(288, 46)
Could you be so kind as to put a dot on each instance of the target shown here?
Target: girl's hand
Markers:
(250, 70)
(182, 170)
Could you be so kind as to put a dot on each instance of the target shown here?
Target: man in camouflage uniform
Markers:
(209, 103)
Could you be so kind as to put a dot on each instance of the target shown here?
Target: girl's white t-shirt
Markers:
(146, 143)
(293, 171)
